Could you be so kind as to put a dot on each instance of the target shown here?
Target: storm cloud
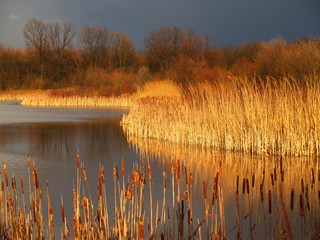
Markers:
(229, 22)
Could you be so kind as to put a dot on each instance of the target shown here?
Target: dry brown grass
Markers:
(279, 118)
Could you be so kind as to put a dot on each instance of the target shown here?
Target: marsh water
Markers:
(252, 185)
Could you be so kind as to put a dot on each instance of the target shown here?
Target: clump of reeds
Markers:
(278, 117)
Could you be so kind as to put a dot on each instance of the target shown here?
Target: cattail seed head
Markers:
(114, 173)
(172, 168)
(78, 160)
(186, 195)
(220, 170)
(85, 175)
(5, 173)
(178, 172)
(122, 167)
(190, 180)
(149, 172)
(141, 229)
(22, 189)
(301, 211)
(292, 199)
(204, 189)
(14, 184)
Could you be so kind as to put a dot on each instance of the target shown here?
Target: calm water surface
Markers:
(52, 136)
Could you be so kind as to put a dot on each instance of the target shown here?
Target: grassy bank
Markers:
(273, 117)
(65, 97)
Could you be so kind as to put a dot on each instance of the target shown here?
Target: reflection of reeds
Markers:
(129, 213)
(239, 114)
(258, 201)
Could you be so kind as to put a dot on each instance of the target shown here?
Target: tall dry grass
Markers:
(46, 98)
(274, 117)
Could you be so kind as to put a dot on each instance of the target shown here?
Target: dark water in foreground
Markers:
(52, 136)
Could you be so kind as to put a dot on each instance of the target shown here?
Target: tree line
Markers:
(56, 56)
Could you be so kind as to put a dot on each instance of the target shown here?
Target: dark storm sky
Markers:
(229, 22)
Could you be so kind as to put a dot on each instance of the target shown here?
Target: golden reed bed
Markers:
(281, 118)
(46, 98)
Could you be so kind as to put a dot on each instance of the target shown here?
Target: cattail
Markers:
(275, 174)
(34, 211)
(143, 178)
(141, 230)
(14, 184)
(86, 210)
(186, 174)
(22, 189)
(168, 213)
(243, 185)
(186, 195)
(136, 178)
(216, 184)
(301, 211)
(114, 173)
(220, 170)
(312, 172)
(237, 192)
(85, 175)
(62, 209)
(51, 214)
(149, 229)
(75, 200)
(35, 177)
(122, 167)
(261, 192)
(247, 183)
(100, 184)
(204, 189)
(172, 167)
(121, 227)
(214, 194)
(292, 199)
(302, 186)
(281, 166)
(75, 224)
(5, 173)
(272, 181)
(307, 198)
(253, 180)
(78, 160)
(178, 172)
(103, 178)
(149, 172)
(28, 159)
(270, 206)
(190, 180)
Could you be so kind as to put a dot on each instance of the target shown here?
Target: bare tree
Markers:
(34, 34)
(122, 50)
(60, 35)
(94, 44)
(162, 47)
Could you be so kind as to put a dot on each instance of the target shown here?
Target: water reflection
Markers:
(62, 140)
(262, 195)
